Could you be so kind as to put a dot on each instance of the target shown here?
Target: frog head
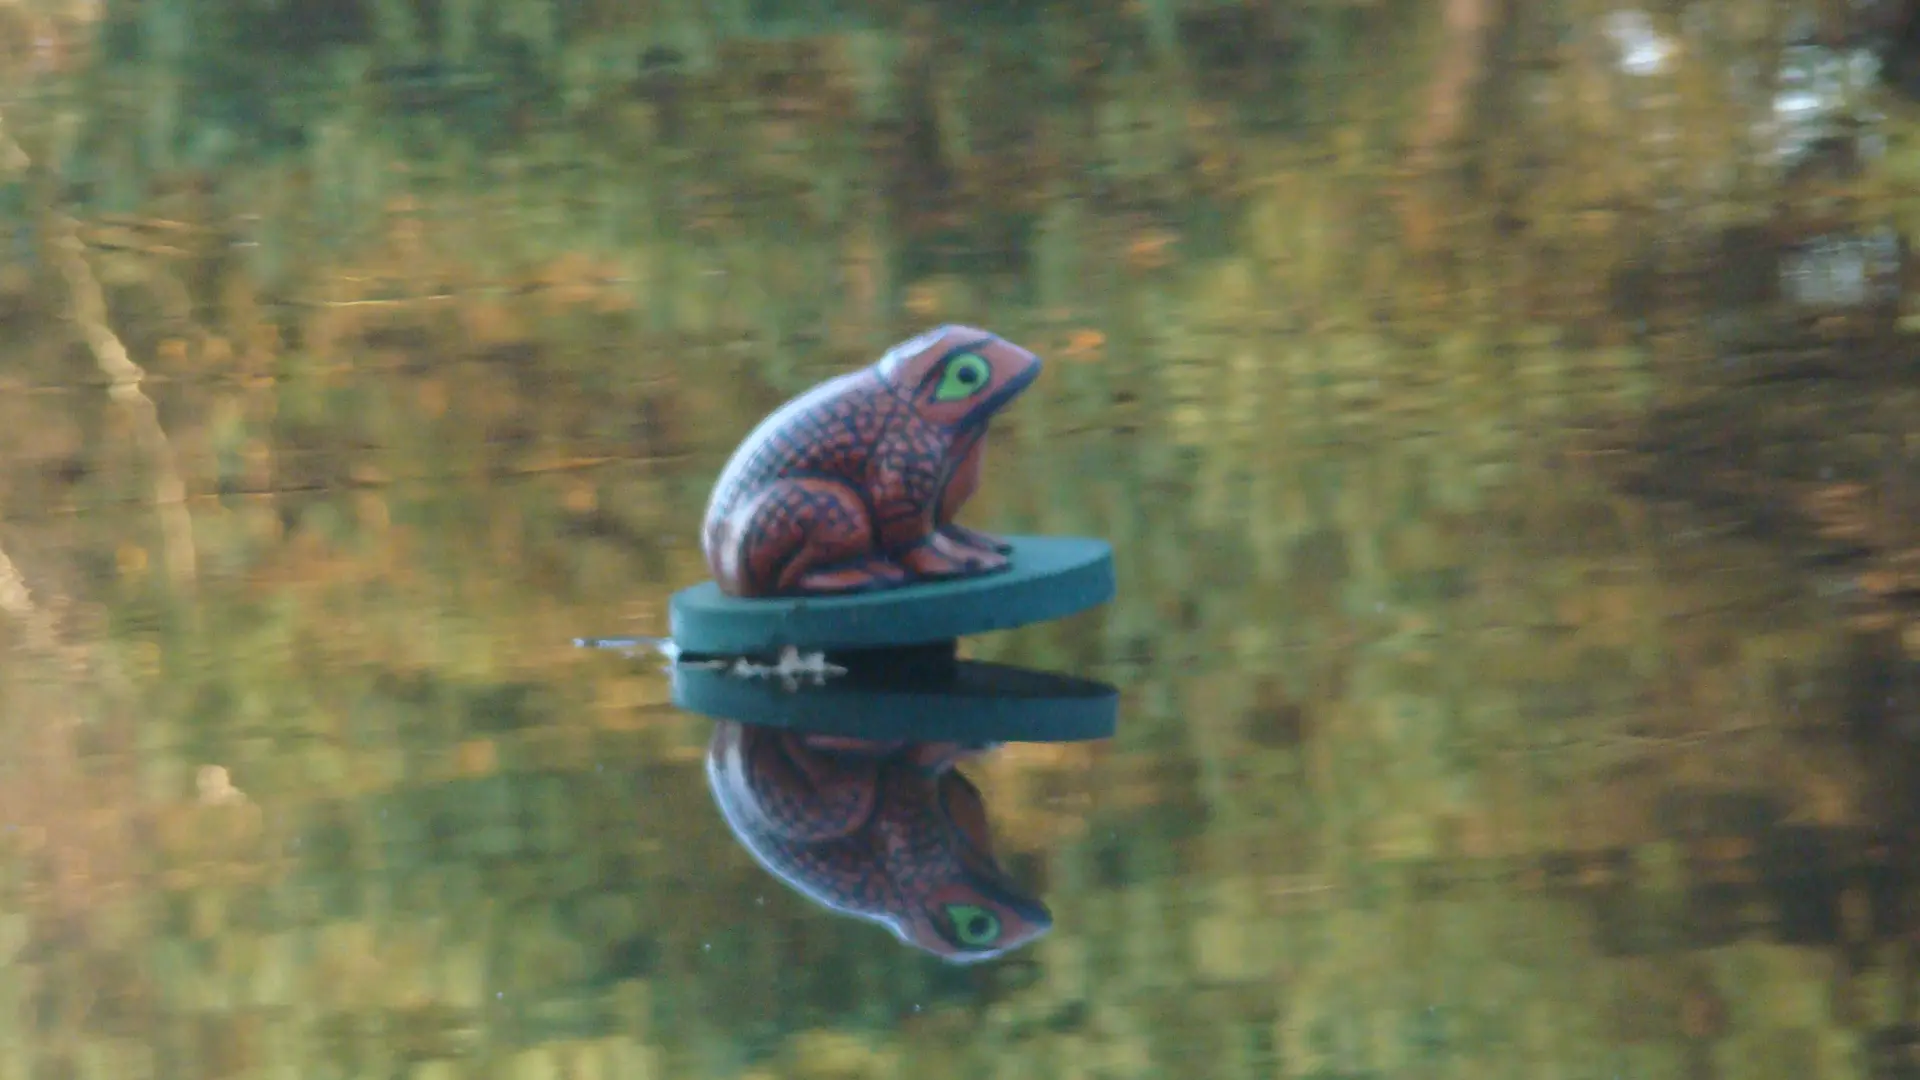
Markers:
(958, 376)
(969, 909)
(970, 921)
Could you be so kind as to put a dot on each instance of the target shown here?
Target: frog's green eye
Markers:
(974, 927)
(966, 375)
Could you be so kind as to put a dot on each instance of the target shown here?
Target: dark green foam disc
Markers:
(1051, 577)
(969, 702)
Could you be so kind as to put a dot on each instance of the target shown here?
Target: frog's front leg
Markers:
(904, 510)
(960, 487)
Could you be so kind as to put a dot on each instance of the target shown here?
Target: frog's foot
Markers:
(941, 557)
(938, 757)
(862, 575)
(850, 744)
(974, 538)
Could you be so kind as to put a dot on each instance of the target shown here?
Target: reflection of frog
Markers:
(854, 484)
(888, 832)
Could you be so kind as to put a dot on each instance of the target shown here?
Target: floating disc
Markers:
(971, 702)
(1051, 577)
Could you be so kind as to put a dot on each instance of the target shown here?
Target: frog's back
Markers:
(880, 870)
(842, 874)
(829, 431)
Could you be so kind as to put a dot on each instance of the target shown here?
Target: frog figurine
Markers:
(889, 832)
(853, 485)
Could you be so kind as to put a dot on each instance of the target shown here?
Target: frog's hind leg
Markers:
(808, 795)
(812, 535)
(860, 575)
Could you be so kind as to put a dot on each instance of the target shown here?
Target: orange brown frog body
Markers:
(854, 485)
(887, 832)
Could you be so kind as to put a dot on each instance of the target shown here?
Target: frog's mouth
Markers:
(994, 883)
(966, 817)
(977, 417)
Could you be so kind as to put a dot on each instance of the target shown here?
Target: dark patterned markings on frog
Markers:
(887, 832)
(853, 485)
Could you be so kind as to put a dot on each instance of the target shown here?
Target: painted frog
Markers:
(854, 485)
(889, 832)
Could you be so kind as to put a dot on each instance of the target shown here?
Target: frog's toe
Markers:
(987, 562)
(941, 557)
(862, 576)
(974, 538)
(975, 558)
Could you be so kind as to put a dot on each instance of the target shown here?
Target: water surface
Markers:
(1501, 415)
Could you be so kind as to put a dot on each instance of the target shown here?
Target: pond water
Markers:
(1501, 415)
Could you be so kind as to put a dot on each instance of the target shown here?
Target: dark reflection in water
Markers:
(889, 832)
(846, 785)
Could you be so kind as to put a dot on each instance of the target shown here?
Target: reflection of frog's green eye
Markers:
(967, 374)
(973, 926)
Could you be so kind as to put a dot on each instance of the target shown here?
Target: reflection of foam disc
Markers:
(973, 702)
(1051, 577)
